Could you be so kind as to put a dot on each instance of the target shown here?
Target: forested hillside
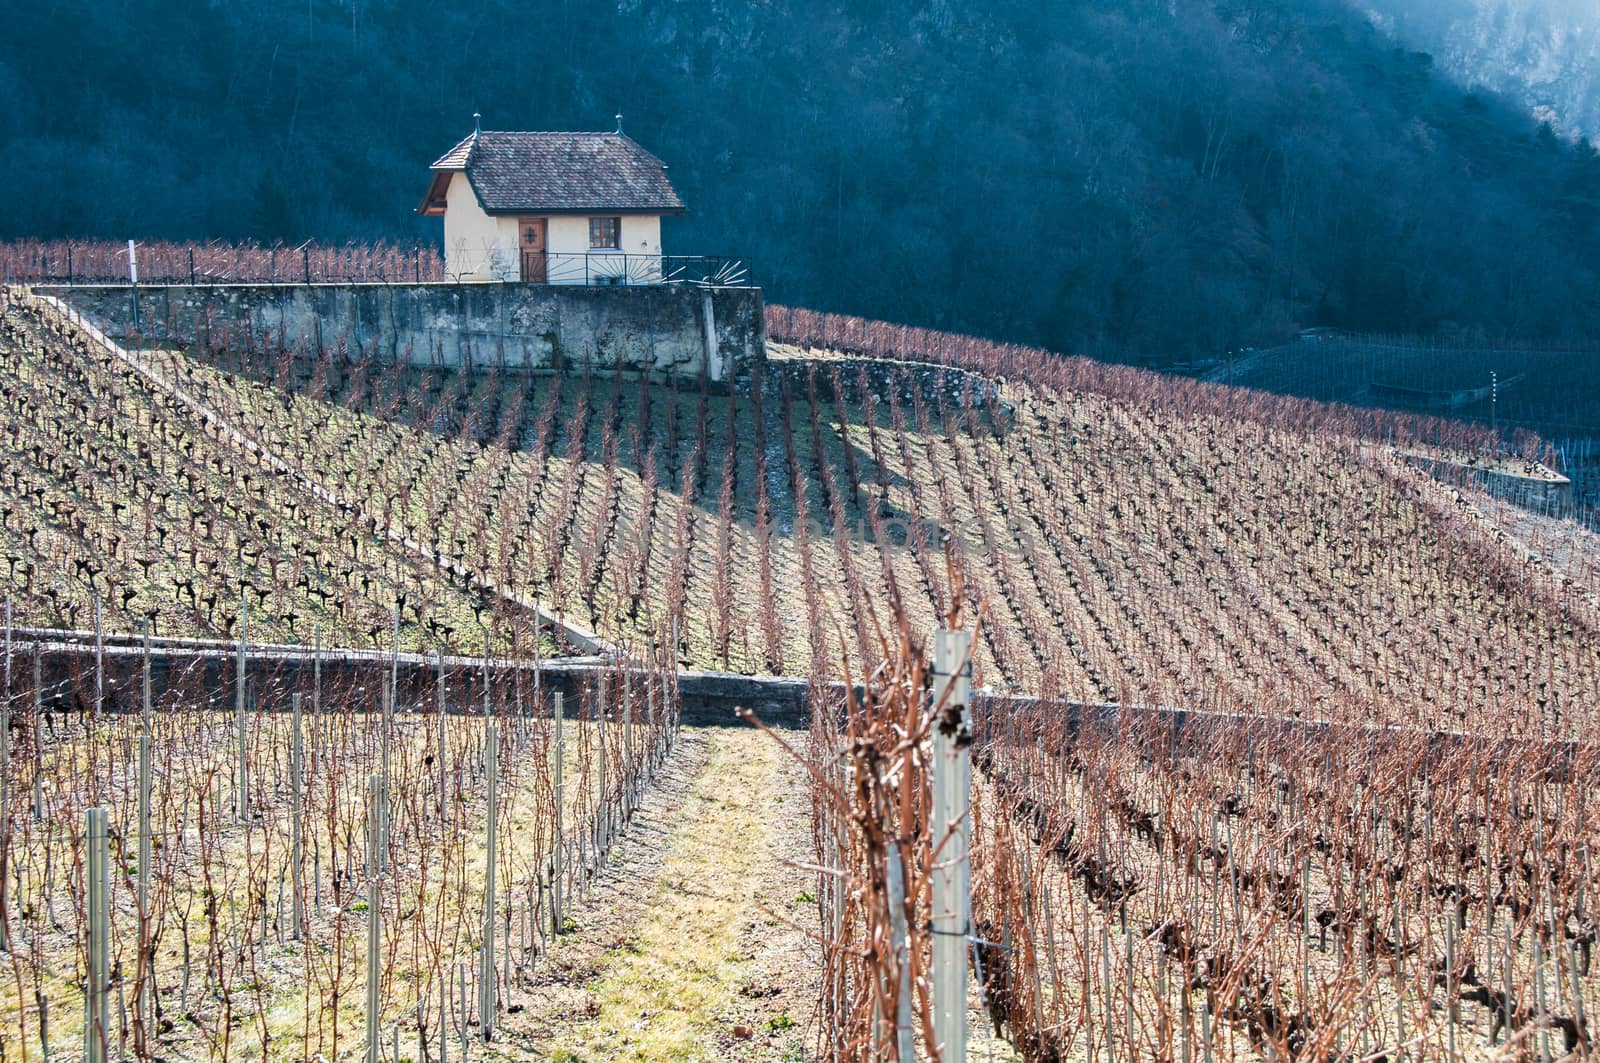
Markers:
(1132, 179)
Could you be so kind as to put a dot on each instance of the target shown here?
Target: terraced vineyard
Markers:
(1280, 842)
(1129, 540)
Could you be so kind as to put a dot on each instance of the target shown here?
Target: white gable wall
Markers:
(477, 246)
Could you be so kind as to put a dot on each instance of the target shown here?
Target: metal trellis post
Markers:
(486, 973)
(96, 1028)
(951, 870)
(376, 843)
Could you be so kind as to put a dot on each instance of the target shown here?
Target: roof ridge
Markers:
(563, 132)
(523, 170)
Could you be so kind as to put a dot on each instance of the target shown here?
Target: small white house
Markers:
(551, 208)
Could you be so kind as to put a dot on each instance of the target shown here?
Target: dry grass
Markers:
(684, 982)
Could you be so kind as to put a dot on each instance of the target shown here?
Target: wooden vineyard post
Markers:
(317, 723)
(99, 660)
(657, 732)
(297, 787)
(35, 725)
(376, 843)
(387, 726)
(461, 1006)
(444, 1018)
(1450, 995)
(627, 747)
(99, 697)
(600, 812)
(5, 776)
(96, 1013)
(486, 974)
(839, 991)
(674, 704)
(394, 658)
(391, 693)
(558, 839)
(652, 732)
(1574, 982)
(1399, 977)
(951, 868)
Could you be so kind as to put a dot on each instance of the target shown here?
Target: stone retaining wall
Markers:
(665, 330)
(862, 377)
(1542, 490)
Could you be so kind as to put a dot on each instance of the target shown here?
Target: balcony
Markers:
(621, 268)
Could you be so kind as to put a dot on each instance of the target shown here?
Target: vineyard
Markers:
(1520, 388)
(1155, 887)
(277, 864)
(1268, 892)
(1279, 748)
(1136, 539)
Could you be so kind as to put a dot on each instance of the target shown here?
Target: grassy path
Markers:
(689, 949)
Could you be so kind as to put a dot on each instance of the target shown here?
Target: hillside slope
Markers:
(1140, 179)
(1127, 536)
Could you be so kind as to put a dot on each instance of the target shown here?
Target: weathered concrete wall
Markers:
(661, 329)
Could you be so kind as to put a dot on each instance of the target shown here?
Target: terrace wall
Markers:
(1542, 490)
(665, 330)
(880, 377)
(68, 661)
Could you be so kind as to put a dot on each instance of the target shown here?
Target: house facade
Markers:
(551, 208)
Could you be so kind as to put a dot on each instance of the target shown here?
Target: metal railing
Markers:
(624, 268)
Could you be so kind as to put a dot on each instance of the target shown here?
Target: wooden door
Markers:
(532, 239)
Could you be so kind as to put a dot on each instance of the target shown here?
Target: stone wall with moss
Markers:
(660, 329)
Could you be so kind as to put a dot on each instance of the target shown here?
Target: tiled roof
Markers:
(527, 173)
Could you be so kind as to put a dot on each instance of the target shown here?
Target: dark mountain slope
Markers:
(1141, 179)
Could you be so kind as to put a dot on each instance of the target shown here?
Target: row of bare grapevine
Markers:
(1172, 886)
(214, 262)
(1158, 551)
(240, 948)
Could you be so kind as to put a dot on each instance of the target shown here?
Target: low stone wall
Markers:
(1542, 490)
(272, 671)
(1448, 399)
(660, 329)
(860, 378)
(210, 667)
